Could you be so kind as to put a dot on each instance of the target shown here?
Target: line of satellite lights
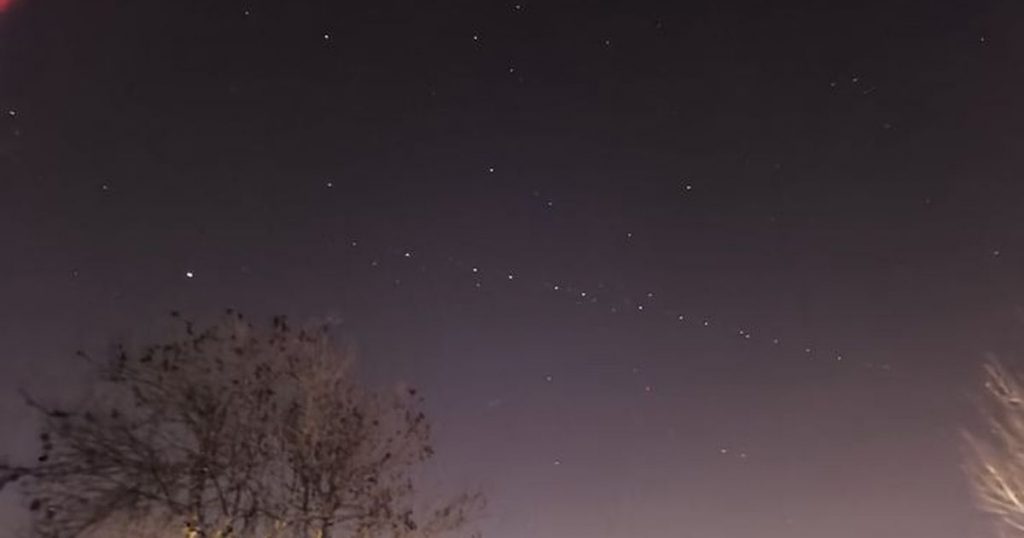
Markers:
(582, 296)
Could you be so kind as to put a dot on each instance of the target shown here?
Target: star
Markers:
(189, 274)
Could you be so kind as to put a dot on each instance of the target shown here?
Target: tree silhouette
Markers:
(995, 462)
(234, 430)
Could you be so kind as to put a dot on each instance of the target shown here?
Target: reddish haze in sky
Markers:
(4, 4)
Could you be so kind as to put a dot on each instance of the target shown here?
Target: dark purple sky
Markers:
(842, 177)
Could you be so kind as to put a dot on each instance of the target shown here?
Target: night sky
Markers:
(682, 269)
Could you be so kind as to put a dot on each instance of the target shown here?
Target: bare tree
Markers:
(995, 462)
(234, 430)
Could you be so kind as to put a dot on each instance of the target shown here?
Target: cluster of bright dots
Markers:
(600, 297)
